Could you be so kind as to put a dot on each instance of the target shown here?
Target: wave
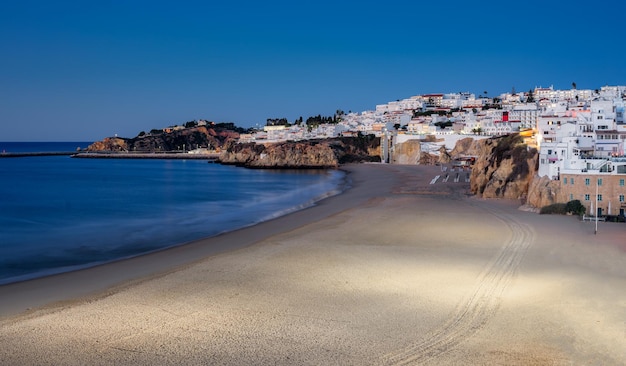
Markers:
(68, 237)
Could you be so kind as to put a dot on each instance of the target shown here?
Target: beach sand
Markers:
(394, 271)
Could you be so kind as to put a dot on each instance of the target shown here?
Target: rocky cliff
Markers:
(466, 146)
(188, 138)
(543, 192)
(327, 153)
(507, 168)
(410, 152)
(504, 168)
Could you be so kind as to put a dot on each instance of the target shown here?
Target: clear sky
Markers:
(85, 70)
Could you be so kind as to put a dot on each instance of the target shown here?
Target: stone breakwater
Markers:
(30, 154)
(121, 155)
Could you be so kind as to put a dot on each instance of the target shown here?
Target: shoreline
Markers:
(394, 271)
(34, 293)
(331, 182)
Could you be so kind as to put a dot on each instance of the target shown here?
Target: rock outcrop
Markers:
(543, 192)
(188, 138)
(408, 152)
(327, 153)
(109, 144)
(466, 146)
(504, 168)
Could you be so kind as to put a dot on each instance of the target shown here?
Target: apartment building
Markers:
(601, 192)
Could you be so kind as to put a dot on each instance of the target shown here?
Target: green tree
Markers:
(443, 125)
(277, 122)
(575, 207)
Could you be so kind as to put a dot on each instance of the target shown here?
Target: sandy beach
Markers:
(395, 271)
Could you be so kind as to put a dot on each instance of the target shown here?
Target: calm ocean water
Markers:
(58, 214)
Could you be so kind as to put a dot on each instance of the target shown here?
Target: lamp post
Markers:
(596, 213)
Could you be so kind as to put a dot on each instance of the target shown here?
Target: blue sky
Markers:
(85, 70)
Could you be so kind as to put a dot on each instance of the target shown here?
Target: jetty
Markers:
(145, 155)
(30, 154)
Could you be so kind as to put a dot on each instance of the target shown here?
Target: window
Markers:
(621, 182)
(565, 181)
(571, 181)
(621, 198)
(599, 197)
(587, 181)
(599, 181)
(571, 196)
(586, 197)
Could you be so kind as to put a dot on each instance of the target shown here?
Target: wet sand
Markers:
(394, 271)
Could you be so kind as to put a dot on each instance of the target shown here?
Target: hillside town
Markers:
(579, 133)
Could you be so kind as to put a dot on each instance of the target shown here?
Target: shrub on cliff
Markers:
(556, 208)
(575, 207)
(572, 207)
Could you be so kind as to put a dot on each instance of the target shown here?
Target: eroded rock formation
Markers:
(504, 168)
(188, 139)
(327, 153)
(543, 192)
(466, 146)
(408, 152)
(109, 144)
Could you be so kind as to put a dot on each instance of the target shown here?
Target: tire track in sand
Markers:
(476, 310)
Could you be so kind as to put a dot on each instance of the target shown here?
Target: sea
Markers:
(59, 214)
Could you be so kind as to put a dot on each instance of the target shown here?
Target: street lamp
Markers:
(596, 213)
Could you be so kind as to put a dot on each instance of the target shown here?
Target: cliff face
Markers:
(109, 144)
(408, 152)
(504, 168)
(466, 146)
(188, 138)
(544, 192)
(328, 153)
